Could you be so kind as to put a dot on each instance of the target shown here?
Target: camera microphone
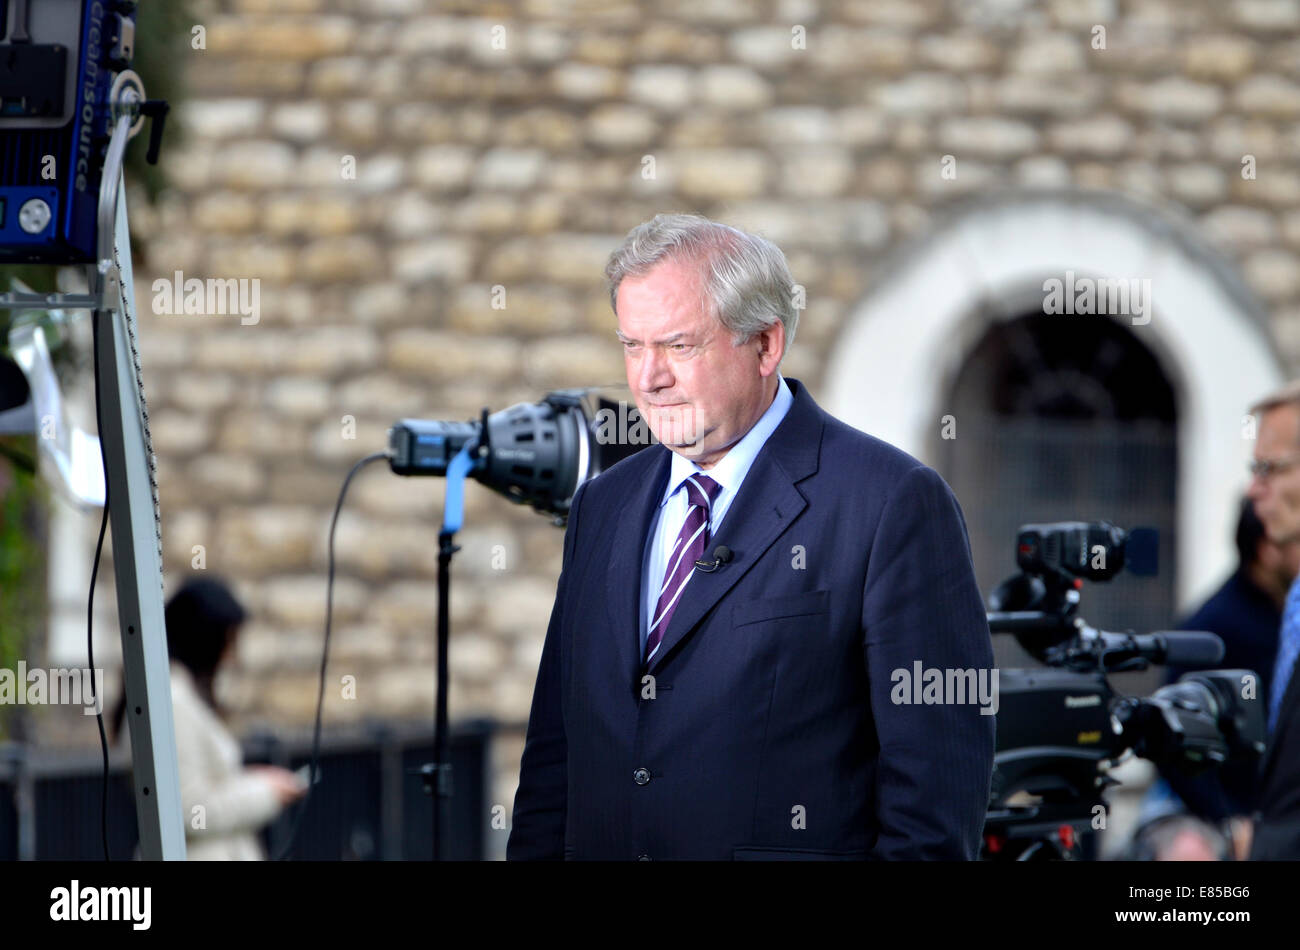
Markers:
(1194, 648)
(721, 555)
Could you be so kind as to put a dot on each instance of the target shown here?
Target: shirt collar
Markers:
(733, 466)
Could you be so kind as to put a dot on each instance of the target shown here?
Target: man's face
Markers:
(1281, 561)
(697, 392)
(1277, 497)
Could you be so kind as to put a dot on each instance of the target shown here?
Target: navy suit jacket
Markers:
(1277, 820)
(764, 727)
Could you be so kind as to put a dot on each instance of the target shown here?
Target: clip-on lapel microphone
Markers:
(721, 555)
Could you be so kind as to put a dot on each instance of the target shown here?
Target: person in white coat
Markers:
(224, 803)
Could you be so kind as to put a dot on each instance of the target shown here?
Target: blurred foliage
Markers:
(69, 363)
(23, 501)
(162, 45)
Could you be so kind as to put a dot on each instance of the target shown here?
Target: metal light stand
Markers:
(437, 774)
(133, 492)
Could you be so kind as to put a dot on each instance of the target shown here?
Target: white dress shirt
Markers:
(729, 473)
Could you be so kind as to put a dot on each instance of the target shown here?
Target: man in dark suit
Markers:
(1275, 490)
(826, 691)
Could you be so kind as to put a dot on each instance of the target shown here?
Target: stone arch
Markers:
(903, 344)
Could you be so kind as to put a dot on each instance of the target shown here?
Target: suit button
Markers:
(641, 776)
(644, 857)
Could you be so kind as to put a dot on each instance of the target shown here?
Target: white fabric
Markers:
(236, 803)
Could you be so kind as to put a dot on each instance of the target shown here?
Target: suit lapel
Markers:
(766, 505)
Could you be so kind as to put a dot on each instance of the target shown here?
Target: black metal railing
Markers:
(369, 805)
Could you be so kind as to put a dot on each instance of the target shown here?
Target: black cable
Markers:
(90, 609)
(325, 652)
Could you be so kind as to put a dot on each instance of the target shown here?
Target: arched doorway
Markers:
(1065, 418)
(896, 365)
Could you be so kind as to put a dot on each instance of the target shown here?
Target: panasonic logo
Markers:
(1077, 702)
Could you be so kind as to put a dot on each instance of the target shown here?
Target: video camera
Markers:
(1061, 728)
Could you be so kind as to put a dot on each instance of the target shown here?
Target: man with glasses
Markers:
(1275, 491)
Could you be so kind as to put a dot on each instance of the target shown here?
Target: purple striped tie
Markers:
(691, 541)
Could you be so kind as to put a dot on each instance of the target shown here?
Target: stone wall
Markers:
(478, 166)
